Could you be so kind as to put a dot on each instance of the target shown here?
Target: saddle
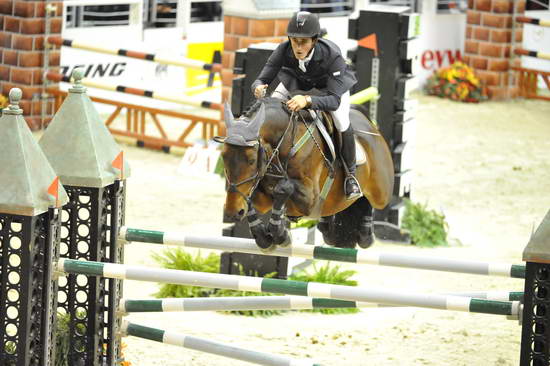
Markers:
(324, 122)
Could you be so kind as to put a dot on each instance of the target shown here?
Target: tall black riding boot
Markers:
(351, 185)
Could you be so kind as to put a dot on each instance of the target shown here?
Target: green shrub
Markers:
(307, 223)
(62, 338)
(236, 293)
(61, 342)
(331, 275)
(10, 348)
(428, 228)
(179, 259)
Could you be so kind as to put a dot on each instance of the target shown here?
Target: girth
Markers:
(308, 135)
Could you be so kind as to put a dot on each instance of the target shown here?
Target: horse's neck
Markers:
(274, 126)
(291, 132)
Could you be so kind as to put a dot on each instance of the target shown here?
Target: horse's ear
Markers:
(228, 115)
(258, 120)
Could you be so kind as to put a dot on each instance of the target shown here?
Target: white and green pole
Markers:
(271, 303)
(208, 346)
(236, 304)
(242, 245)
(287, 287)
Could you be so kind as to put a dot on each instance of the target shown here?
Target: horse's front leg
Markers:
(261, 203)
(276, 228)
(259, 230)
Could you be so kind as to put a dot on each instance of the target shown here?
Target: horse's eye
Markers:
(252, 162)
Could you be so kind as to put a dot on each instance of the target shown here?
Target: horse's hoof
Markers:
(323, 227)
(268, 249)
(366, 238)
(262, 238)
(329, 240)
(263, 242)
(285, 240)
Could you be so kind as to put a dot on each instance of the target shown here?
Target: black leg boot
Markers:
(351, 185)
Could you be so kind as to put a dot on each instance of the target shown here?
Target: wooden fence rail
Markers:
(528, 80)
(139, 118)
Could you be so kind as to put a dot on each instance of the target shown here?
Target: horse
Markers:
(277, 160)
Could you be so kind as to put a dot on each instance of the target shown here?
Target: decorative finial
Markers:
(78, 75)
(14, 97)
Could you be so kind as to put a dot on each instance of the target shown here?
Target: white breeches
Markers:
(341, 115)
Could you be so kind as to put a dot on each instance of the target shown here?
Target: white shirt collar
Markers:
(302, 63)
(308, 58)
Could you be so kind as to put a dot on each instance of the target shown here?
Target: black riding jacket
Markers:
(327, 71)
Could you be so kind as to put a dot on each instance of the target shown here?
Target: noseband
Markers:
(256, 177)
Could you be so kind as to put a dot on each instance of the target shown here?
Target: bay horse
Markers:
(277, 160)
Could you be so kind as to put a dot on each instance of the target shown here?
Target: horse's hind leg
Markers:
(326, 227)
(349, 227)
(279, 233)
(366, 228)
(324, 224)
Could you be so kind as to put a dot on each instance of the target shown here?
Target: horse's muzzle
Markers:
(233, 217)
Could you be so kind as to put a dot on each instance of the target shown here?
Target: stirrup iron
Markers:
(355, 193)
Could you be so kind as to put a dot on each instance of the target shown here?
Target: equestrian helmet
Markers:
(303, 24)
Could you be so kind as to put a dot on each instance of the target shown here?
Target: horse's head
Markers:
(242, 155)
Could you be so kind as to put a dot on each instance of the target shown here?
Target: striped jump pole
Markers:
(287, 287)
(140, 92)
(242, 245)
(270, 303)
(524, 52)
(236, 304)
(183, 62)
(527, 20)
(492, 295)
(208, 346)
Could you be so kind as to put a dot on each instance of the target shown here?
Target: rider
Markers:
(304, 62)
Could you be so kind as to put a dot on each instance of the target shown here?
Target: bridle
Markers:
(256, 177)
(262, 169)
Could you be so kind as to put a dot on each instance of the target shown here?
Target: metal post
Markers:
(29, 241)
(535, 335)
(91, 224)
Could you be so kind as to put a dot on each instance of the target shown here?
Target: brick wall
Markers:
(240, 32)
(22, 28)
(489, 41)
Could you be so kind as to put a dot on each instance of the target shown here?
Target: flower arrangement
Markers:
(3, 102)
(456, 82)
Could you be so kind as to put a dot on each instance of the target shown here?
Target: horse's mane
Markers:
(269, 102)
(279, 104)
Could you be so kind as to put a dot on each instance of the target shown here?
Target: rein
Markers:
(274, 167)
(276, 154)
(325, 159)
